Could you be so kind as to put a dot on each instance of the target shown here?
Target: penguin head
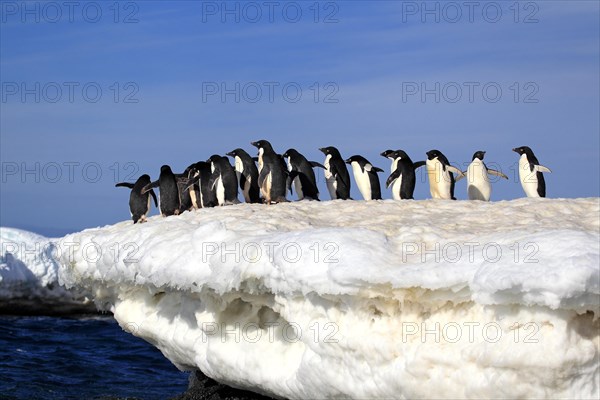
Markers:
(398, 154)
(262, 144)
(290, 153)
(523, 150)
(165, 168)
(478, 154)
(357, 159)
(433, 154)
(387, 154)
(234, 153)
(144, 178)
(215, 158)
(330, 151)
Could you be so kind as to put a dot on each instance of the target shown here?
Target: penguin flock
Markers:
(267, 179)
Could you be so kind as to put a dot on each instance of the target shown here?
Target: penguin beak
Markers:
(347, 161)
(322, 150)
(515, 150)
(255, 144)
(230, 154)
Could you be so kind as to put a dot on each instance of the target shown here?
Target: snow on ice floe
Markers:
(354, 299)
(29, 277)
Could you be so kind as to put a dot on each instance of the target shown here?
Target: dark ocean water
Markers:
(81, 358)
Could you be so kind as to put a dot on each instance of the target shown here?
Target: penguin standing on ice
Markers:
(336, 174)
(139, 203)
(169, 192)
(441, 175)
(301, 174)
(403, 177)
(365, 175)
(185, 194)
(478, 183)
(224, 180)
(272, 173)
(247, 175)
(205, 194)
(530, 173)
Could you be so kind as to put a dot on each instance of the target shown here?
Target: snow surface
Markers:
(29, 276)
(355, 299)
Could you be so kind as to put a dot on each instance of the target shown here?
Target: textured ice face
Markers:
(362, 299)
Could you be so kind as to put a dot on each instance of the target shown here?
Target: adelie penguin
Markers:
(185, 194)
(301, 174)
(139, 203)
(169, 192)
(224, 180)
(247, 175)
(365, 175)
(200, 179)
(336, 174)
(441, 175)
(478, 182)
(403, 177)
(272, 173)
(530, 173)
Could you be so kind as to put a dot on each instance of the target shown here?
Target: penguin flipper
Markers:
(419, 164)
(264, 172)
(457, 171)
(154, 197)
(541, 168)
(125, 184)
(496, 173)
(242, 181)
(149, 187)
(377, 169)
(190, 182)
(395, 175)
(460, 176)
(315, 164)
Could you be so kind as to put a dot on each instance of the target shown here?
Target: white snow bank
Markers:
(29, 276)
(354, 299)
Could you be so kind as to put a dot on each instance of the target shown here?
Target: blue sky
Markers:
(356, 64)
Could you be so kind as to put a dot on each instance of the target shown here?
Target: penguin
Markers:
(247, 175)
(530, 173)
(403, 178)
(386, 154)
(272, 173)
(139, 203)
(365, 175)
(336, 174)
(441, 175)
(224, 180)
(169, 192)
(301, 174)
(185, 194)
(200, 175)
(478, 183)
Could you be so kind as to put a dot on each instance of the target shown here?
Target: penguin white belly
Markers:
(246, 189)
(266, 188)
(478, 183)
(260, 159)
(298, 188)
(394, 165)
(330, 179)
(362, 181)
(396, 188)
(439, 180)
(528, 178)
(220, 191)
